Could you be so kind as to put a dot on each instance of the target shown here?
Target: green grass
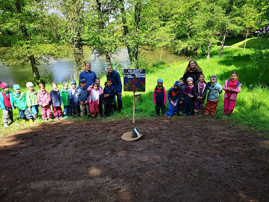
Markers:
(252, 104)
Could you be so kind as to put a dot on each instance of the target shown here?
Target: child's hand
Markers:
(106, 95)
(190, 95)
(81, 103)
(180, 102)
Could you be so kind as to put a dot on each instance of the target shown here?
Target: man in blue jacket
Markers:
(88, 75)
(114, 76)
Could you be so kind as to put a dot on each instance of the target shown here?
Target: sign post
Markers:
(134, 81)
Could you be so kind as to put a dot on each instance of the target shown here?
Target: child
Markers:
(109, 97)
(214, 91)
(66, 100)
(20, 101)
(189, 97)
(73, 94)
(94, 99)
(159, 97)
(83, 95)
(31, 100)
(232, 87)
(174, 98)
(101, 98)
(7, 104)
(200, 93)
(44, 99)
(56, 101)
(180, 104)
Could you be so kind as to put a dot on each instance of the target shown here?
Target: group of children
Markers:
(188, 97)
(76, 101)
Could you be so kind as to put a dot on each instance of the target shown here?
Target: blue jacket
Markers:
(83, 94)
(56, 99)
(73, 97)
(2, 105)
(111, 91)
(89, 76)
(116, 81)
(214, 91)
(174, 96)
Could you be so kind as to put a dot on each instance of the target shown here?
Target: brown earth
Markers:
(190, 159)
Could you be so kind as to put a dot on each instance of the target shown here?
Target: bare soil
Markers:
(190, 159)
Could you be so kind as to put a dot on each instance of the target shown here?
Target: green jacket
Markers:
(65, 97)
(31, 98)
(20, 101)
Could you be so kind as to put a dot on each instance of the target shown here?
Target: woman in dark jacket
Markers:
(193, 71)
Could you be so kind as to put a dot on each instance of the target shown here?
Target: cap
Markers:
(159, 81)
(29, 84)
(16, 87)
(189, 79)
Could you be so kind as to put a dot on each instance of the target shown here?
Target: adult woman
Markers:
(193, 71)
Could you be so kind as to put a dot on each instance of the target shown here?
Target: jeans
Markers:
(67, 111)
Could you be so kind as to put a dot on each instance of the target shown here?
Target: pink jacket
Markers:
(43, 98)
(90, 93)
(234, 91)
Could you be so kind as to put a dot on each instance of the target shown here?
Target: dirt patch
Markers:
(190, 159)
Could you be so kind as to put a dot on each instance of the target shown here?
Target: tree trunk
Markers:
(245, 44)
(101, 27)
(223, 42)
(125, 30)
(28, 38)
(138, 6)
(34, 68)
(208, 50)
(78, 53)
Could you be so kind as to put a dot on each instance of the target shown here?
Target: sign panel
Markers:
(135, 80)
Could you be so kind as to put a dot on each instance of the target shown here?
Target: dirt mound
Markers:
(190, 159)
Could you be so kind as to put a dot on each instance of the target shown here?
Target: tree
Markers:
(29, 27)
(73, 10)
(249, 19)
(207, 24)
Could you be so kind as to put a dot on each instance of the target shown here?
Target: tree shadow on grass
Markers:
(253, 69)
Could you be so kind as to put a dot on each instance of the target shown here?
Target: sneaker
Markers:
(5, 125)
(66, 117)
(60, 117)
(31, 121)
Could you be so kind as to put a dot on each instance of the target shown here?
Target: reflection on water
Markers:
(64, 69)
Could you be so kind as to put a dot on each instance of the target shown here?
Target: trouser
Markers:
(33, 113)
(75, 110)
(229, 105)
(172, 110)
(67, 111)
(109, 108)
(119, 102)
(101, 101)
(188, 106)
(160, 107)
(84, 109)
(46, 112)
(57, 111)
(22, 114)
(8, 116)
(211, 107)
(199, 104)
(94, 108)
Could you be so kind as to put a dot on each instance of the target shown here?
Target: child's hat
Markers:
(73, 82)
(82, 81)
(177, 83)
(189, 79)
(29, 84)
(214, 76)
(159, 81)
(3, 85)
(16, 87)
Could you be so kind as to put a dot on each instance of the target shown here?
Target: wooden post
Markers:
(134, 108)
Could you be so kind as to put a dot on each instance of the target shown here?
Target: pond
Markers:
(64, 69)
